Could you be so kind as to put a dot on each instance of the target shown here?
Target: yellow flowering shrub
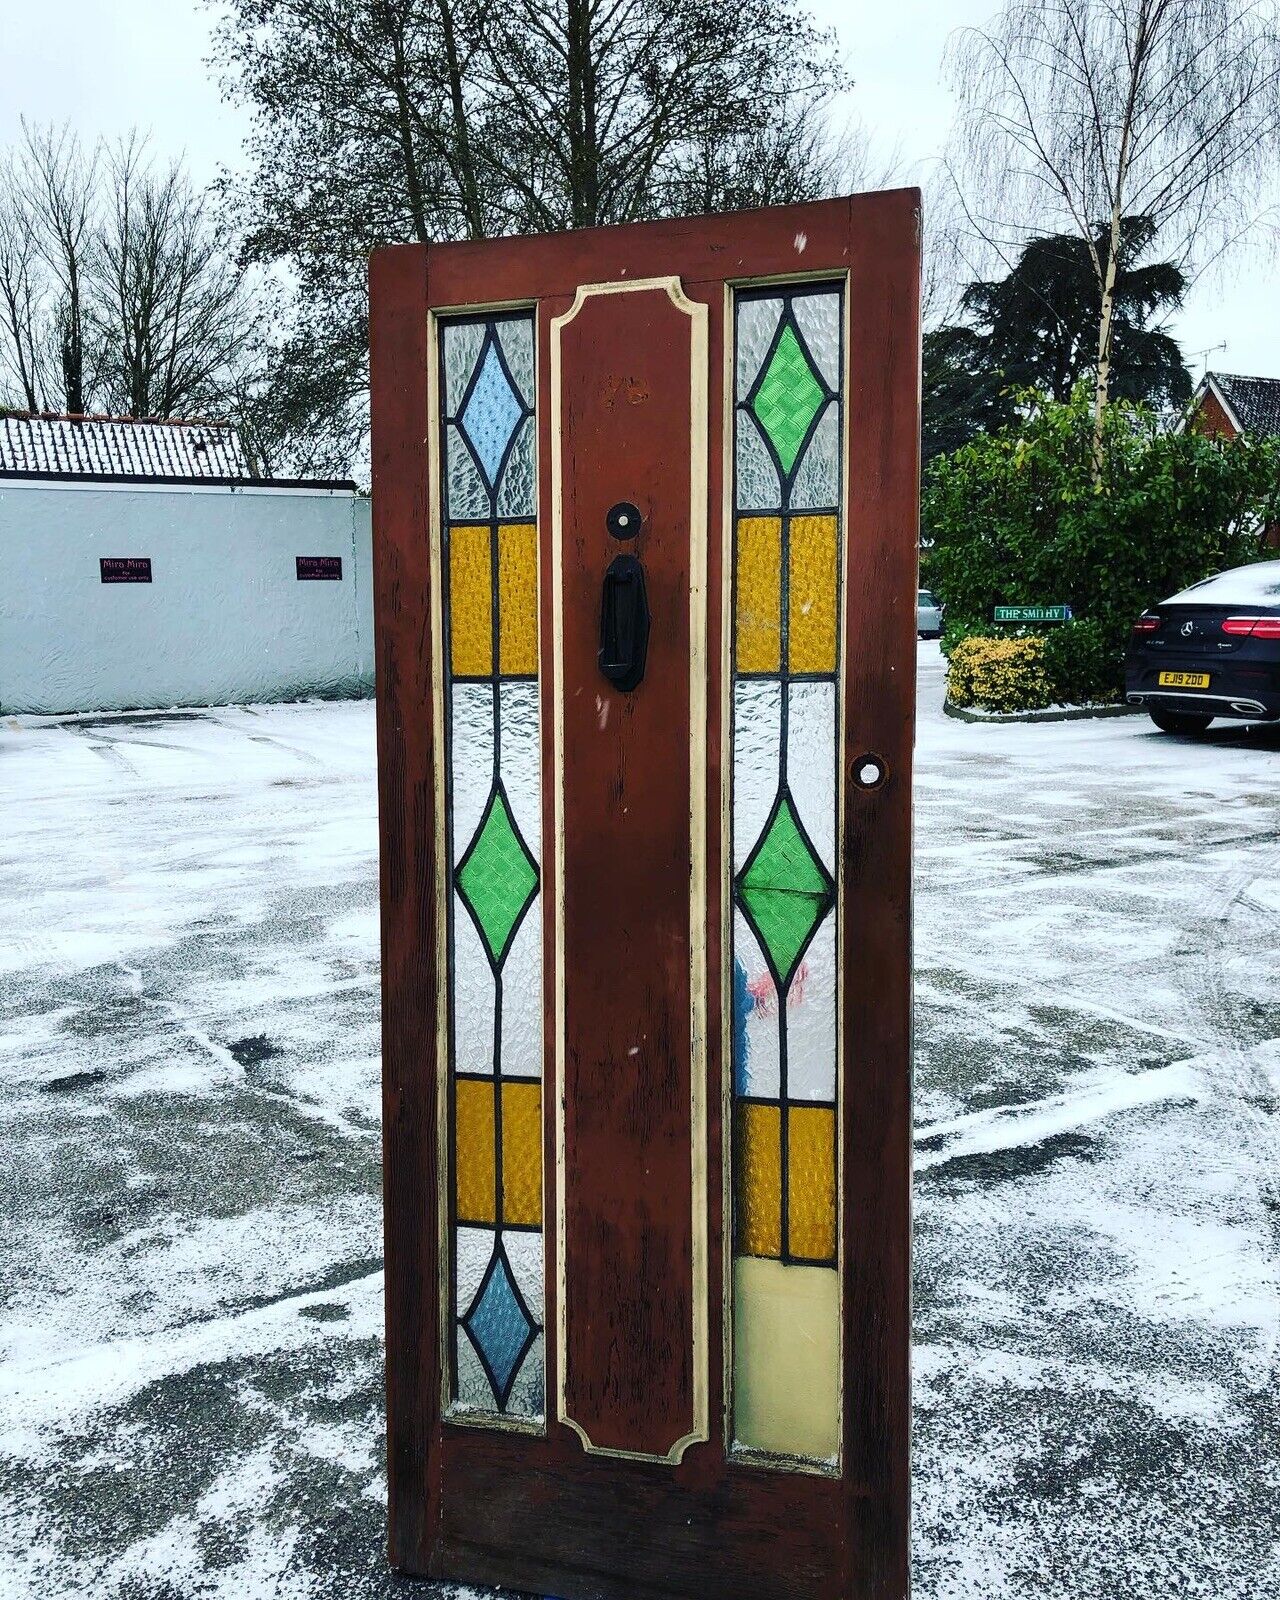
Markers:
(999, 674)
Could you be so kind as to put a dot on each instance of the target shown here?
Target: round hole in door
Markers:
(869, 771)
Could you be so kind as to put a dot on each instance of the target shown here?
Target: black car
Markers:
(1211, 651)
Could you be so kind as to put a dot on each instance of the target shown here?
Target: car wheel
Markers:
(1180, 721)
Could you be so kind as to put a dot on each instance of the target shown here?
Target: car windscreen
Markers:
(1257, 585)
(924, 598)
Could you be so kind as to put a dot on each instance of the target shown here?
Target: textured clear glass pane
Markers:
(757, 320)
(473, 1250)
(811, 1019)
(756, 755)
(755, 1016)
(462, 341)
(473, 1247)
(520, 760)
(471, 733)
(817, 480)
(811, 763)
(466, 494)
(516, 335)
(528, 1397)
(522, 1013)
(516, 491)
(473, 997)
(524, 1251)
(757, 484)
(818, 317)
(472, 1387)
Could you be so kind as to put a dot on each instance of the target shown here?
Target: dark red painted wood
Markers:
(880, 674)
(538, 1513)
(625, 429)
(407, 832)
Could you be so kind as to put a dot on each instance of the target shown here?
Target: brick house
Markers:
(1227, 405)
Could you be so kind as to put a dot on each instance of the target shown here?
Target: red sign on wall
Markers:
(319, 567)
(125, 569)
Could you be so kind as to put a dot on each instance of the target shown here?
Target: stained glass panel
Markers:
(494, 841)
(784, 991)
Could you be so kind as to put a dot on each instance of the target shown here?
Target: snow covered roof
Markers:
(1253, 404)
(38, 444)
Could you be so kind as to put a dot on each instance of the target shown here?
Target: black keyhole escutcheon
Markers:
(623, 520)
(624, 623)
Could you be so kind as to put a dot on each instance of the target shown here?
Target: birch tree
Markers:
(1078, 114)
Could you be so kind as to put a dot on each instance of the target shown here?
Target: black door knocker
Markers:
(624, 623)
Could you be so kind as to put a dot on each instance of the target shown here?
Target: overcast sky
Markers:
(108, 65)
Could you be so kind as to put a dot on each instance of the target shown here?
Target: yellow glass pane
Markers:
(786, 1358)
(518, 599)
(522, 1152)
(758, 1160)
(473, 1152)
(759, 591)
(470, 602)
(811, 1181)
(811, 593)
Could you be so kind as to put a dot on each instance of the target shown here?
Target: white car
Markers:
(928, 615)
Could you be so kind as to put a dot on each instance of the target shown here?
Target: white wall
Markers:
(224, 619)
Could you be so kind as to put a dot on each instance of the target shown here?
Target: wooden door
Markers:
(645, 521)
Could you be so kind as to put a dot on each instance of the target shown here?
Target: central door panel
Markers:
(628, 365)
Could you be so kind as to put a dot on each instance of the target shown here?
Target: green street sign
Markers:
(1032, 614)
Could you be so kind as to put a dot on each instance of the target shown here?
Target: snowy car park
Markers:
(190, 1243)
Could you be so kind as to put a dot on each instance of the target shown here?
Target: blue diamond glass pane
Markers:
(491, 414)
(499, 1325)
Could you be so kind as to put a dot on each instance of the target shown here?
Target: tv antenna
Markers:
(1198, 355)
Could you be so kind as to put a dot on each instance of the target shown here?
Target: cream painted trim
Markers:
(490, 308)
(444, 1065)
(842, 761)
(729, 401)
(740, 1454)
(492, 1420)
(697, 314)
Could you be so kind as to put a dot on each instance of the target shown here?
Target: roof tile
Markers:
(1255, 401)
(119, 447)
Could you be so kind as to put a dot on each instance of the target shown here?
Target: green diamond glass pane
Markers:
(497, 877)
(789, 397)
(785, 890)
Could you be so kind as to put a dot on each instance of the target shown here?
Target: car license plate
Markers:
(1184, 680)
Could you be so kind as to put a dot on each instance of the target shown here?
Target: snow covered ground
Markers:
(190, 1287)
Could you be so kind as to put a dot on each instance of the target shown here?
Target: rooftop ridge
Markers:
(11, 413)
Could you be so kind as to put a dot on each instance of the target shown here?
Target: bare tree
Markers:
(169, 310)
(1075, 114)
(47, 220)
(22, 292)
(61, 183)
(602, 110)
(376, 121)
